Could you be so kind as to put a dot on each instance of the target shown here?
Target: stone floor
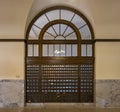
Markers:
(33, 109)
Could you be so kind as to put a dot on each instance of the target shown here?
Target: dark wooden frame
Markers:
(94, 41)
(56, 60)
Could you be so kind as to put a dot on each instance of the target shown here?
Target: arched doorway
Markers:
(60, 57)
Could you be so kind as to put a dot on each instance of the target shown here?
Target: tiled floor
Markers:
(60, 110)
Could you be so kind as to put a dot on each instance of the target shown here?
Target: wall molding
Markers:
(24, 40)
(107, 40)
(12, 40)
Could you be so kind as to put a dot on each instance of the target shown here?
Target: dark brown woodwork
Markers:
(12, 40)
(60, 78)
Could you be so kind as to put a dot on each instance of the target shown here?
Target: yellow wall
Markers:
(11, 60)
(15, 16)
(106, 25)
(107, 60)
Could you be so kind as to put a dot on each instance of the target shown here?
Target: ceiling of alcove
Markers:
(15, 15)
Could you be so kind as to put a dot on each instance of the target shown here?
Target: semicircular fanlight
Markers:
(60, 14)
(59, 32)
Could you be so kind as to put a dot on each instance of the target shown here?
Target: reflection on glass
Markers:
(63, 48)
(59, 50)
(59, 53)
(56, 50)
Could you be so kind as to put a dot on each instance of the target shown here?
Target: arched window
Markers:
(60, 57)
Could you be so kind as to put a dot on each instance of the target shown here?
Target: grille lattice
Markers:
(86, 88)
(60, 83)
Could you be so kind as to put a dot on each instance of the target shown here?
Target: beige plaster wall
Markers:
(12, 63)
(106, 25)
(11, 60)
(13, 15)
(14, 18)
(107, 60)
(39, 5)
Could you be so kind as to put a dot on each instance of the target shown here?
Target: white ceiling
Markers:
(15, 15)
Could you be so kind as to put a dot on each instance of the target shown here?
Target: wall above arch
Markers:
(13, 15)
(101, 14)
(39, 5)
(16, 15)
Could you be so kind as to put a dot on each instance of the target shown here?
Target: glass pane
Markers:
(51, 31)
(68, 50)
(53, 15)
(48, 37)
(74, 50)
(41, 21)
(44, 50)
(68, 31)
(36, 32)
(67, 15)
(71, 37)
(57, 51)
(51, 50)
(78, 21)
(89, 50)
(63, 50)
(35, 50)
(63, 27)
(83, 50)
(30, 50)
(59, 38)
(56, 27)
(32, 34)
(85, 33)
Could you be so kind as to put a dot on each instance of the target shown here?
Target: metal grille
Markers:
(33, 82)
(60, 83)
(86, 85)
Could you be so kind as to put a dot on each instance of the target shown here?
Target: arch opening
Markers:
(60, 57)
